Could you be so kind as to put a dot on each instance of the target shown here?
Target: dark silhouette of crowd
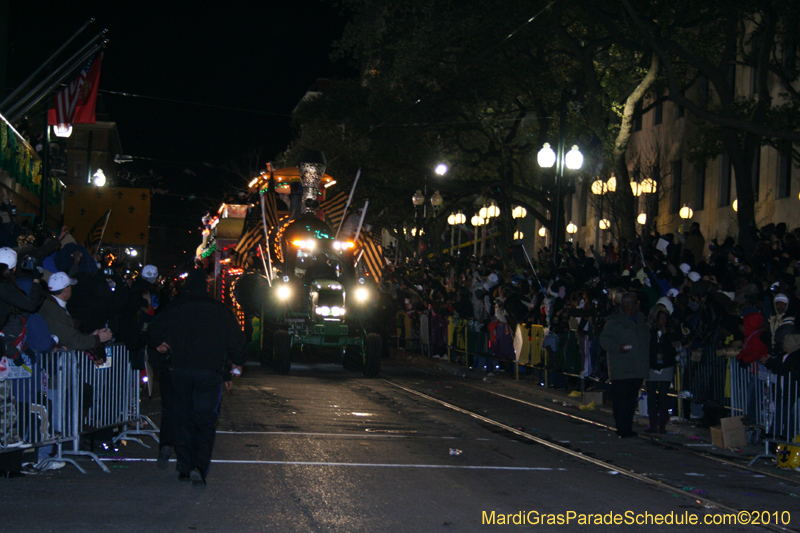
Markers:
(701, 299)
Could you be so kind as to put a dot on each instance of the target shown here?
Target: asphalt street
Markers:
(417, 449)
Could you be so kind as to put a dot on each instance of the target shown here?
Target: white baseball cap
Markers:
(60, 280)
(8, 257)
(150, 273)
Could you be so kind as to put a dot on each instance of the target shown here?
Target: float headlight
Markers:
(284, 292)
(323, 310)
(337, 311)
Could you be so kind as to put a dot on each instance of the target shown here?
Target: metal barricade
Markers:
(706, 379)
(64, 396)
(111, 396)
(425, 333)
(34, 404)
(768, 401)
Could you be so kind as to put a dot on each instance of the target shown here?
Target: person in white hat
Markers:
(781, 322)
(12, 297)
(54, 312)
(150, 273)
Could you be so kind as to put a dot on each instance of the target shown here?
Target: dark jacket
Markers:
(620, 329)
(663, 345)
(12, 296)
(202, 333)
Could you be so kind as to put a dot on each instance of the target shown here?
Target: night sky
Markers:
(260, 57)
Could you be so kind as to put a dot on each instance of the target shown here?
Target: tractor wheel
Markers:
(372, 355)
(352, 360)
(282, 352)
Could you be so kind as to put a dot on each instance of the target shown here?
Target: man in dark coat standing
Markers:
(201, 335)
(626, 340)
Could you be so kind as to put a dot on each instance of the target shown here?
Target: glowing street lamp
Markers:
(547, 158)
(604, 224)
(519, 212)
(574, 158)
(99, 177)
(686, 212)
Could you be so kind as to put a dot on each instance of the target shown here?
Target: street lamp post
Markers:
(455, 219)
(546, 158)
(420, 199)
(600, 188)
(477, 221)
(648, 186)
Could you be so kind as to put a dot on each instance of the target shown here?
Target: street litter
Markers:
(455, 451)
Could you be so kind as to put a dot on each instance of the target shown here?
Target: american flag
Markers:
(95, 236)
(76, 103)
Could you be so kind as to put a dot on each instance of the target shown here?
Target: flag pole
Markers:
(44, 65)
(272, 195)
(45, 174)
(62, 74)
(361, 222)
(349, 199)
(102, 233)
(266, 240)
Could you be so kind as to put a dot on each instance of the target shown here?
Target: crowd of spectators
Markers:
(54, 294)
(699, 297)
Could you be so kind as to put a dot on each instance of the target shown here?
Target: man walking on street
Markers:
(626, 340)
(201, 335)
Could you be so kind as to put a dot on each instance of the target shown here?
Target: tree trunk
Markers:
(742, 154)
(626, 213)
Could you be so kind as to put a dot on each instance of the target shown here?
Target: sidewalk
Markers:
(681, 433)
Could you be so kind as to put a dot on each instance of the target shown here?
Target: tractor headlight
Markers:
(337, 311)
(323, 310)
(362, 294)
(283, 292)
